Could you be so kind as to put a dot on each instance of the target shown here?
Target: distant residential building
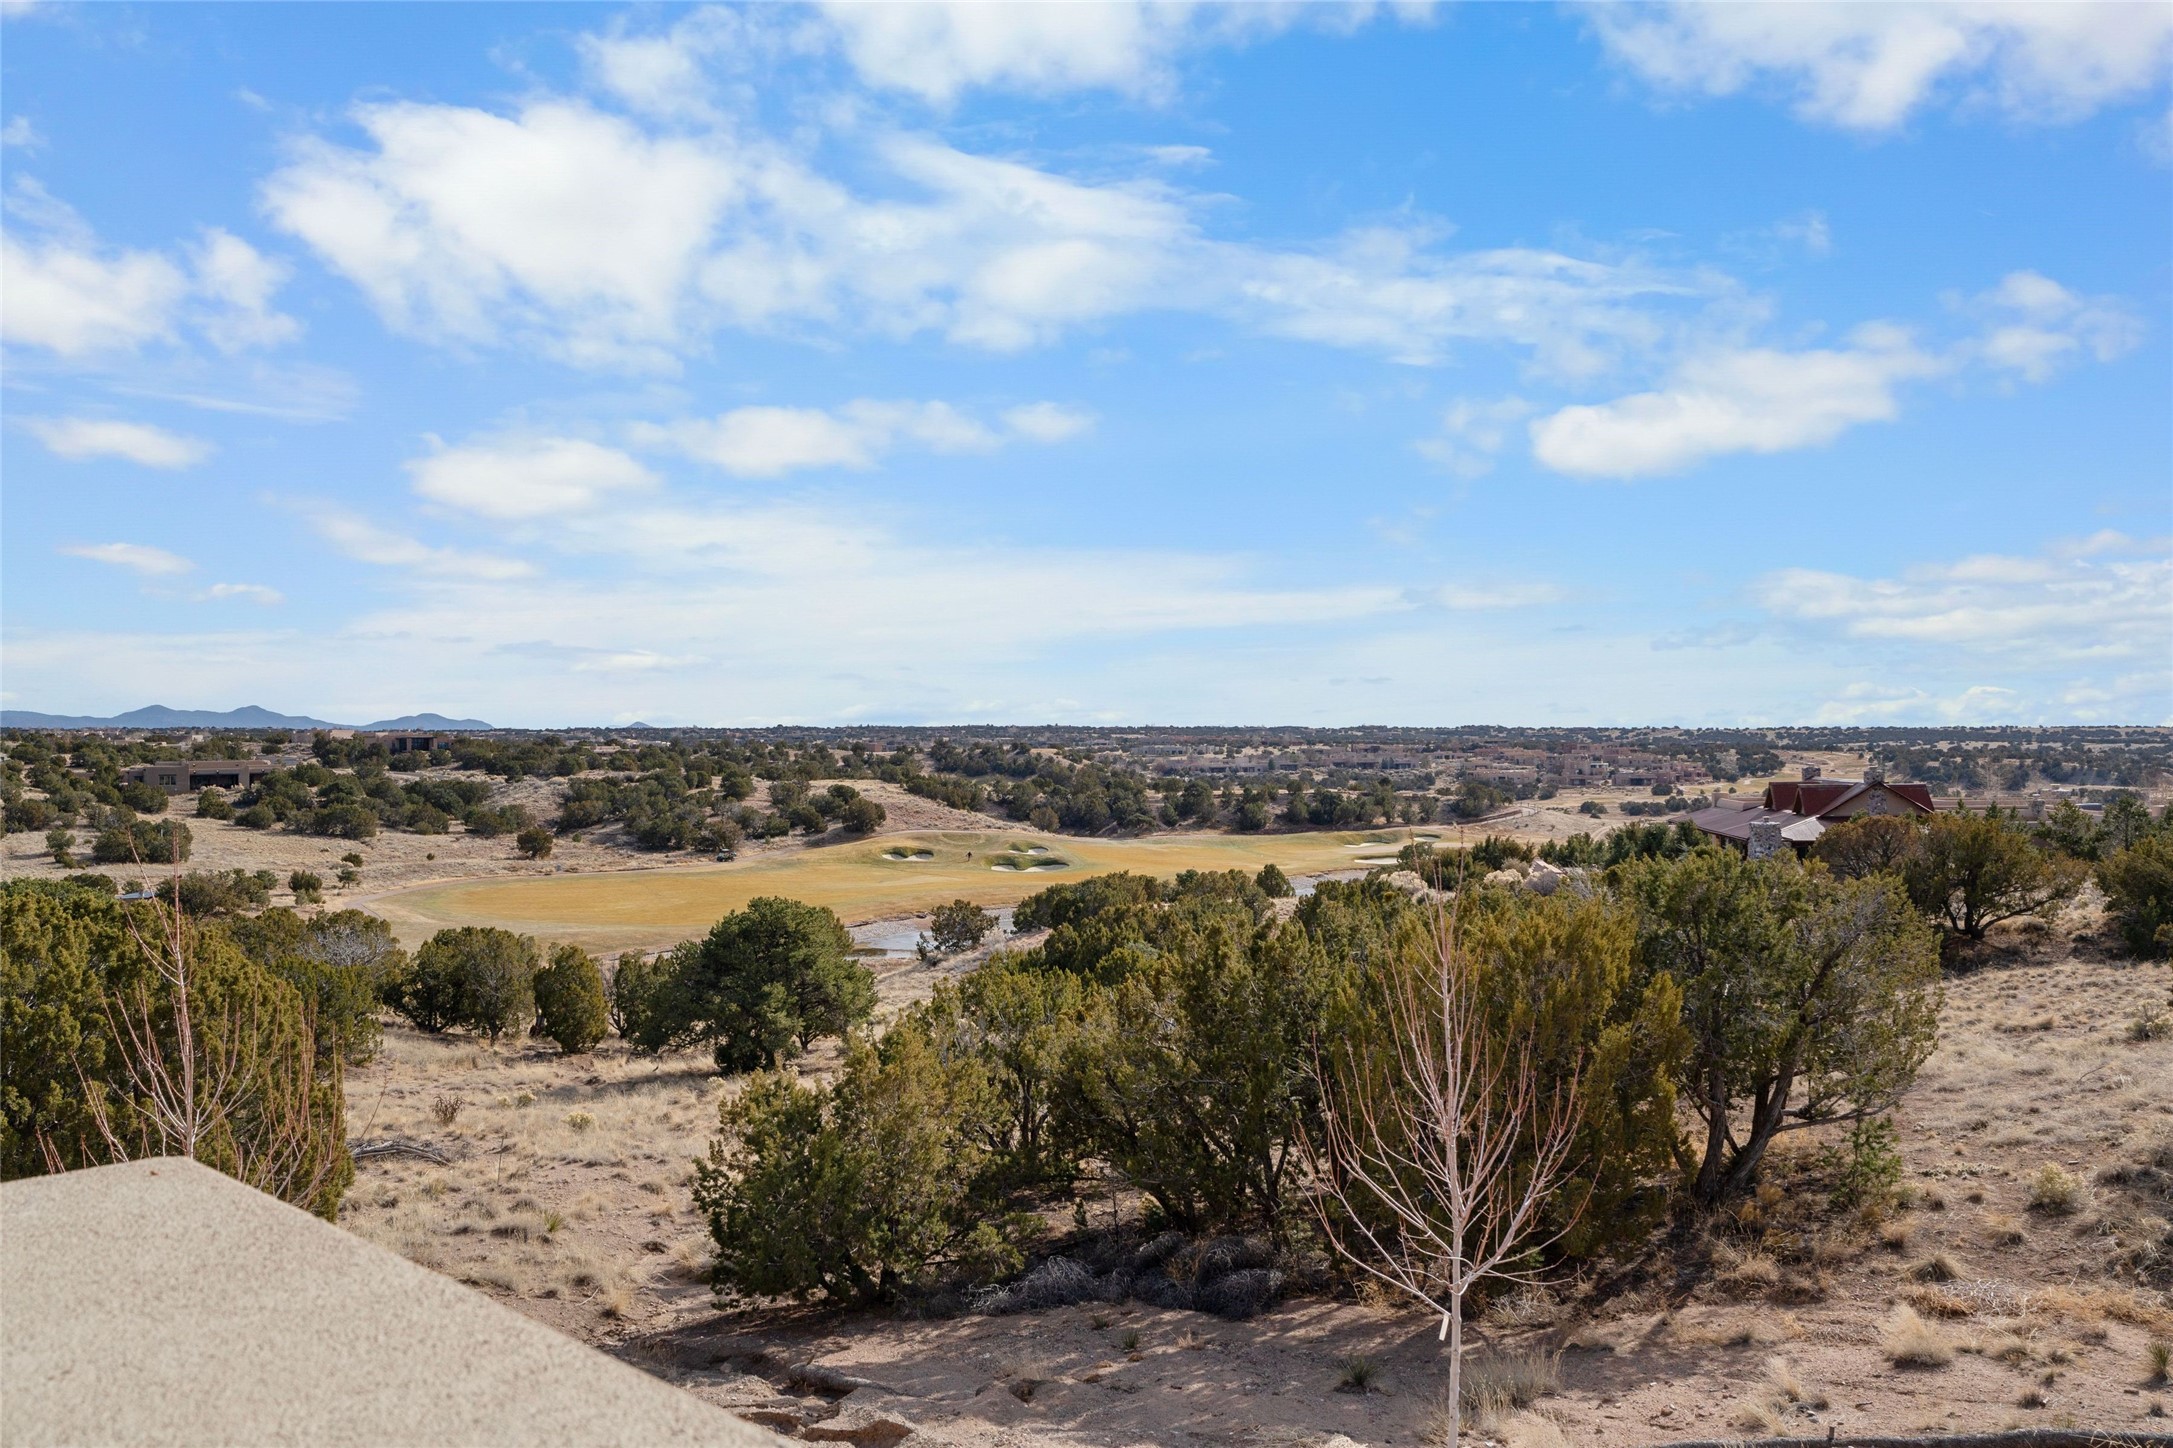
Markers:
(1795, 813)
(414, 743)
(186, 776)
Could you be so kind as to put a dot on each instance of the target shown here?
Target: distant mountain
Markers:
(250, 716)
(426, 723)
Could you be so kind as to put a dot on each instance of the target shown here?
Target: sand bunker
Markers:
(909, 856)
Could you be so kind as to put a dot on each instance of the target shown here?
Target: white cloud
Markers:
(1049, 422)
(1756, 400)
(236, 282)
(1473, 433)
(768, 442)
(77, 302)
(2107, 597)
(365, 542)
(937, 50)
(526, 477)
(252, 592)
(612, 244)
(70, 294)
(560, 221)
(140, 557)
(1496, 597)
(80, 438)
(20, 132)
(2036, 325)
(1870, 67)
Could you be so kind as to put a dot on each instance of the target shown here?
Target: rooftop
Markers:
(159, 1302)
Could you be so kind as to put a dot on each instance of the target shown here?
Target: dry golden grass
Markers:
(1910, 1342)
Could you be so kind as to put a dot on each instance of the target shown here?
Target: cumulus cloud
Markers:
(2108, 597)
(79, 299)
(1870, 67)
(768, 442)
(1757, 400)
(2036, 325)
(609, 242)
(138, 557)
(458, 222)
(526, 477)
(80, 438)
(938, 50)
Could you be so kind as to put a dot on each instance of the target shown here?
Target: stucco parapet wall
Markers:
(162, 1303)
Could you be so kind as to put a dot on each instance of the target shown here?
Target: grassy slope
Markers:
(644, 907)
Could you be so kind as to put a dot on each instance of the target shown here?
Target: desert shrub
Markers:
(570, 1006)
(150, 842)
(960, 925)
(1867, 1168)
(861, 815)
(534, 842)
(346, 820)
(1910, 1342)
(90, 991)
(342, 963)
(217, 892)
(1971, 872)
(24, 815)
(89, 880)
(762, 986)
(256, 817)
(2054, 1190)
(307, 885)
(1869, 845)
(1808, 999)
(1015, 1023)
(1273, 882)
(212, 804)
(143, 798)
(60, 843)
(473, 976)
(1191, 1073)
(491, 822)
(639, 1010)
(2138, 885)
(856, 1191)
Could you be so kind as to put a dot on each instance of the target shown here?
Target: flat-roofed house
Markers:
(185, 776)
(1795, 813)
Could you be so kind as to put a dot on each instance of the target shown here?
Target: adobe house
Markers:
(186, 776)
(414, 743)
(1795, 813)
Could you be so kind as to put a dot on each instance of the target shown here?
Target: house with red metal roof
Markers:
(1796, 812)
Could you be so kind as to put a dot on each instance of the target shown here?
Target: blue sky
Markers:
(1112, 363)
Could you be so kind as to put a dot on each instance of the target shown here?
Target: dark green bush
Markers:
(762, 986)
(858, 1191)
(143, 798)
(149, 842)
(1273, 882)
(960, 925)
(570, 1005)
(473, 976)
(87, 1009)
(2138, 884)
(212, 804)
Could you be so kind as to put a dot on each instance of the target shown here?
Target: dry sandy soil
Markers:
(567, 1197)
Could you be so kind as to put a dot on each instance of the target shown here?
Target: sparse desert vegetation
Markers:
(823, 1187)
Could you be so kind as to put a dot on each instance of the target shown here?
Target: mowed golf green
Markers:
(873, 879)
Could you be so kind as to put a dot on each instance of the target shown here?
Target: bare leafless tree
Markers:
(1441, 1145)
(230, 1089)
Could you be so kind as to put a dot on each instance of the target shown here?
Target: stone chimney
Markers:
(1810, 774)
(1874, 774)
(1765, 839)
